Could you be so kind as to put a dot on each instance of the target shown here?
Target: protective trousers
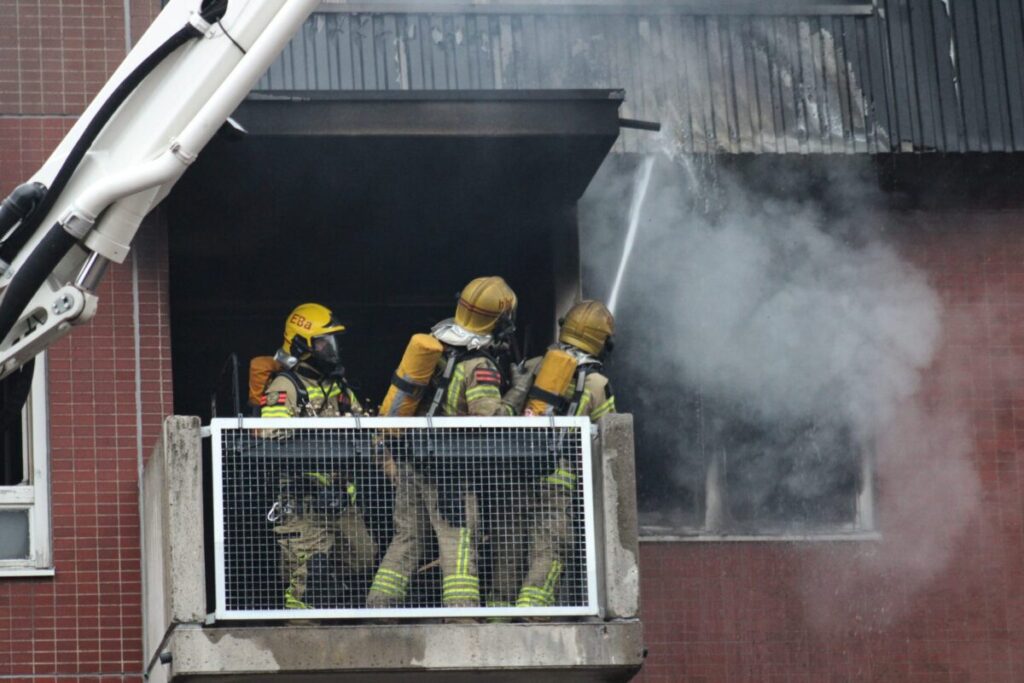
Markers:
(542, 523)
(416, 513)
(508, 517)
(549, 537)
(309, 539)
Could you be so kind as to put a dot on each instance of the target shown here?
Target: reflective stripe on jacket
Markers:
(281, 399)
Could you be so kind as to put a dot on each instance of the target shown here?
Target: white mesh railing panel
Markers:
(403, 517)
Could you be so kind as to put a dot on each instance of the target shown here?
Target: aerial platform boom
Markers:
(81, 210)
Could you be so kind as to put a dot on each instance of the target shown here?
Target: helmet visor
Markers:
(327, 349)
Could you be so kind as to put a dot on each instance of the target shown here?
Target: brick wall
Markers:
(85, 623)
(841, 611)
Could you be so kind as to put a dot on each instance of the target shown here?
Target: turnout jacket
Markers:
(324, 397)
(474, 388)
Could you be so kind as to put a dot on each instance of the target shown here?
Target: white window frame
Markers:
(34, 495)
(714, 525)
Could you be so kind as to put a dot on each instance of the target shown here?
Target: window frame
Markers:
(33, 496)
(863, 527)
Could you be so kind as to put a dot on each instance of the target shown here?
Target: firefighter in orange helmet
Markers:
(466, 381)
(317, 517)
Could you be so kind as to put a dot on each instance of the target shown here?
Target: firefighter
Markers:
(311, 381)
(430, 496)
(585, 336)
(317, 517)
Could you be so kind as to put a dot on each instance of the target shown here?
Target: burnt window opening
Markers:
(793, 476)
(717, 471)
(714, 469)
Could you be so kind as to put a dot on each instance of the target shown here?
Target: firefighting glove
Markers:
(515, 398)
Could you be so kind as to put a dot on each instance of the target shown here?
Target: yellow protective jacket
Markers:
(473, 389)
(326, 398)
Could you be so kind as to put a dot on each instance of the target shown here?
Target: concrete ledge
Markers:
(620, 552)
(561, 652)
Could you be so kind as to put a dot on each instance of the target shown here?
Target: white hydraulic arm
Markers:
(81, 210)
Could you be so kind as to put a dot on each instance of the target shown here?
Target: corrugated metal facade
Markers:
(918, 75)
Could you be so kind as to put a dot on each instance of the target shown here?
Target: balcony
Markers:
(476, 475)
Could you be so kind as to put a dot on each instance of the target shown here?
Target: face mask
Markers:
(326, 353)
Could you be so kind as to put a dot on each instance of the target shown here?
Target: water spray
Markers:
(643, 180)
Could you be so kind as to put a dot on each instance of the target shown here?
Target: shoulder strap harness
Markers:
(300, 388)
(581, 382)
(455, 355)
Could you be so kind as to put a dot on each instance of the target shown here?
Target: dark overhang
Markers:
(550, 141)
(477, 113)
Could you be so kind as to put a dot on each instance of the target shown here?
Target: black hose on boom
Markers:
(19, 204)
(13, 244)
(45, 257)
(58, 242)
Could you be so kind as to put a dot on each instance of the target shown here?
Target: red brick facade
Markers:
(713, 611)
(850, 611)
(88, 619)
(85, 623)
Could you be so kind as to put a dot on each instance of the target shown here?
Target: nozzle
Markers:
(654, 126)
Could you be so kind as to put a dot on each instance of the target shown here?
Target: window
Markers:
(720, 474)
(25, 484)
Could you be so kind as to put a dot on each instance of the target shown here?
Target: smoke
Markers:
(770, 336)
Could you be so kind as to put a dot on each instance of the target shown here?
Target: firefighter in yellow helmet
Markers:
(311, 382)
(585, 335)
(317, 516)
(466, 381)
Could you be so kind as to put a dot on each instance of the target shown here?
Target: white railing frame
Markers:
(592, 608)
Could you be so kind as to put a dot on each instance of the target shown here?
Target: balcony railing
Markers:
(285, 488)
(495, 515)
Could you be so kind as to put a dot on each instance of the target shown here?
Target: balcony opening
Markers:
(380, 208)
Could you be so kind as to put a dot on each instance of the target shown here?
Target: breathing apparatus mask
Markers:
(326, 354)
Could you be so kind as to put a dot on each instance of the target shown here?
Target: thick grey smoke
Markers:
(767, 308)
(767, 324)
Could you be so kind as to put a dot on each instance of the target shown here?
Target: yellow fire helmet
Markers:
(483, 302)
(588, 326)
(312, 328)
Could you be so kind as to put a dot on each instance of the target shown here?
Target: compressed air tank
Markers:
(260, 370)
(412, 376)
(553, 379)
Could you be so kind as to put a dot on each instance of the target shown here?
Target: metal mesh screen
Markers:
(407, 517)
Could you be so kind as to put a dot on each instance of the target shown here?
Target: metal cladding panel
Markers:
(917, 75)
